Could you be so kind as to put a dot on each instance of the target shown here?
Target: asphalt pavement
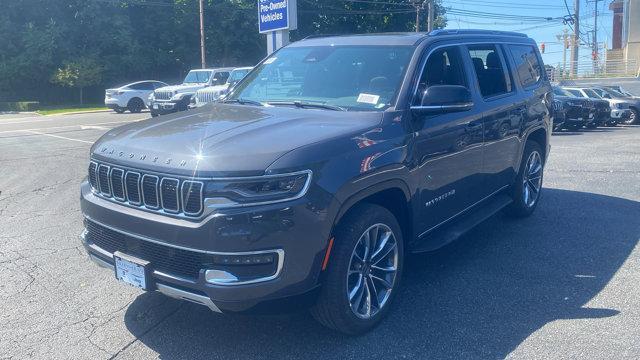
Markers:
(560, 284)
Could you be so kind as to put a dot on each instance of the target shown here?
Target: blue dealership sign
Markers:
(276, 15)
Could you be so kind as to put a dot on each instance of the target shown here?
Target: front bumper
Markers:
(162, 107)
(299, 228)
(620, 113)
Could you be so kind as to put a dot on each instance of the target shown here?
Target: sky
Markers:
(524, 16)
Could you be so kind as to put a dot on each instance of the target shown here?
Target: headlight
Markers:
(256, 190)
(151, 97)
(177, 97)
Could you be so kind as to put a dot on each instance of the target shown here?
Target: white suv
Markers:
(213, 93)
(132, 96)
(177, 97)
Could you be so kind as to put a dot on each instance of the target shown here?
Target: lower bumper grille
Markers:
(183, 263)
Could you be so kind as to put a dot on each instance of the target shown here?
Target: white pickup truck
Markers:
(174, 98)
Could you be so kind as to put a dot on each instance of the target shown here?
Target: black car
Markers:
(602, 115)
(576, 112)
(321, 170)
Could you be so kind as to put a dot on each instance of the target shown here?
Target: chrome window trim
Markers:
(177, 209)
(124, 192)
(200, 198)
(144, 201)
(95, 173)
(102, 192)
(126, 189)
(423, 61)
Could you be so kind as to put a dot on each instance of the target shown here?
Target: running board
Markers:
(448, 233)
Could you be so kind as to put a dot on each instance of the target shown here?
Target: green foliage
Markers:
(52, 43)
(19, 106)
(78, 74)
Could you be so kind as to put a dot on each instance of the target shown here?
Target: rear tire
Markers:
(360, 284)
(135, 105)
(527, 188)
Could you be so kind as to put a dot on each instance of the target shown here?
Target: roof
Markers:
(406, 38)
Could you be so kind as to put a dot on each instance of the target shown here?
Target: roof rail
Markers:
(475, 32)
(320, 36)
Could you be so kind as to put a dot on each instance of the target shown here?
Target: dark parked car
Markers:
(321, 170)
(602, 109)
(576, 112)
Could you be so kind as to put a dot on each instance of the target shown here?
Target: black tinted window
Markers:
(528, 66)
(489, 70)
(443, 67)
(142, 86)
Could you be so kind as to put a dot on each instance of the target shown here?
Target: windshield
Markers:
(197, 77)
(592, 94)
(349, 77)
(237, 75)
(575, 93)
(615, 93)
(562, 92)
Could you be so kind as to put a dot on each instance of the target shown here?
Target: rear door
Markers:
(447, 146)
(503, 114)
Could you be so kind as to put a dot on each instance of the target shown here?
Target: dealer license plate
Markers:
(131, 271)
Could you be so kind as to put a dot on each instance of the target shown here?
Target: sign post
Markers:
(276, 18)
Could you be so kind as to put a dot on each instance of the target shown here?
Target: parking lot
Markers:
(560, 284)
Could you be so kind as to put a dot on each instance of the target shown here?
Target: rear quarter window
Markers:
(528, 66)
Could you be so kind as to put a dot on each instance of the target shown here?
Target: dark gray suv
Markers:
(321, 170)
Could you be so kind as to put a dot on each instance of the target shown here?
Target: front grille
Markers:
(163, 258)
(163, 95)
(153, 192)
(206, 96)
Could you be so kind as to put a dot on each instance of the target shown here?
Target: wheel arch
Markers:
(136, 98)
(394, 195)
(540, 136)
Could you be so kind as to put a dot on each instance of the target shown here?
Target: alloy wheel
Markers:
(372, 271)
(532, 179)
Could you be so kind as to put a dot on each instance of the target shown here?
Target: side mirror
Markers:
(443, 99)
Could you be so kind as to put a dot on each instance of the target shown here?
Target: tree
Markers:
(79, 74)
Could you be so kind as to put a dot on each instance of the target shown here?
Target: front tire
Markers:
(364, 271)
(633, 119)
(135, 105)
(527, 188)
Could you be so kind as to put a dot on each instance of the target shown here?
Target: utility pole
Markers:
(595, 39)
(202, 48)
(564, 37)
(431, 16)
(575, 49)
(417, 6)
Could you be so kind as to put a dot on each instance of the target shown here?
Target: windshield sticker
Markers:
(368, 98)
(270, 60)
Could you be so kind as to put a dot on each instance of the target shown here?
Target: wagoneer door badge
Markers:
(440, 198)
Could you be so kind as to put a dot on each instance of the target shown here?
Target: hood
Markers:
(224, 139)
(181, 88)
(213, 89)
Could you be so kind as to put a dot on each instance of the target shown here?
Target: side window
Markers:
(576, 93)
(220, 78)
(528, 66)
(443, 67)
(490, 70)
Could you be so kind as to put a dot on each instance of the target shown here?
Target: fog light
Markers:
(256, 259)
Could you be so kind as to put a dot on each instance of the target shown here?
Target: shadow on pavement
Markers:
(477, 298)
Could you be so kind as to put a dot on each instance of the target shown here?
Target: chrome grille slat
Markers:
(132, 188)
(169, 194)
(103, 180)
(117, 184)
(158, 193)
(163, 95)
(150, 191)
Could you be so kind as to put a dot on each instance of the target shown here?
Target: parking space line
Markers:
(57, 136)
(87, 126)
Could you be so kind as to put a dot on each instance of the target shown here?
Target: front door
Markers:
(447, 147)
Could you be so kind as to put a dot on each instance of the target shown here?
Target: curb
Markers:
(79, 112)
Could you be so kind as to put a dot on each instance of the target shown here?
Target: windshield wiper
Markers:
(243, 102)
(303, 104)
